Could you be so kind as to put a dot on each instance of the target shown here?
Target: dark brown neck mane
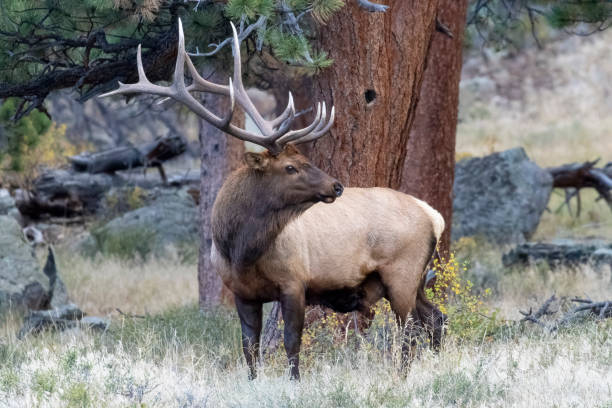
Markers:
(248, 215)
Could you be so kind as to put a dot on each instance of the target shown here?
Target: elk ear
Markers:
(256, 161)
(291, 149)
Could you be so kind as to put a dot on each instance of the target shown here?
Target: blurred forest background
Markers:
(496, 112)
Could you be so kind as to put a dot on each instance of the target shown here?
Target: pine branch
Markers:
(244, 33)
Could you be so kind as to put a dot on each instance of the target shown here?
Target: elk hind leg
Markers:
(431, 318)
(403, 305)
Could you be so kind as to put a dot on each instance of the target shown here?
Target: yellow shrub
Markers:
(468, 316)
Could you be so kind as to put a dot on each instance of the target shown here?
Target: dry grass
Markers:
(595, 218)
(569, 370)
(180, 357)
(555, 103)
(100, 286)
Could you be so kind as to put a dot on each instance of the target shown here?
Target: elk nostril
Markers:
(338, 189)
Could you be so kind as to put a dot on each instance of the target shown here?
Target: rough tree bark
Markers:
(429, 168)
(379, 59)
(219, 155)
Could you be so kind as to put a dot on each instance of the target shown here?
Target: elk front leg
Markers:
(250, 321)
(292, 306)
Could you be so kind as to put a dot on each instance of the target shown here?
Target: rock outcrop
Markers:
(499, 197)
(22, 280)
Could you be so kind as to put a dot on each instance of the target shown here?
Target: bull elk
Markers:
(279, 234)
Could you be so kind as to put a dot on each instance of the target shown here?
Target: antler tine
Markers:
(228, 118)
(269, 135)
(281, 118)
(142, 86)
(237, 61)
(142, 77)
(296, 134)
(179, 68)
(200, 84)
(283, 128)
(319, 132)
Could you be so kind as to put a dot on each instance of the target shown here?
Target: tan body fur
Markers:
(336, 246)
(284, 230)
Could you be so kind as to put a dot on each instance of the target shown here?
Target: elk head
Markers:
(293, 178)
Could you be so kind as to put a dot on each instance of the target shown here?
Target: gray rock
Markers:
(7, 204)
(59, 294)
(94, 323)
(171, 219)
(22, 281)
(59, 318)
(499, 197)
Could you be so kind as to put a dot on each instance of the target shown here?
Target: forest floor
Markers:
(161, 351)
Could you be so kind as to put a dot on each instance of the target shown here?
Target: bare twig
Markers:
(135, 316)
(443, 28)
(244, 33)
(542, 311)
(271, 332)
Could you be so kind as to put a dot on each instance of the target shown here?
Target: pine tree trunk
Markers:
(429, 168)
(220, 154)
(379, 59)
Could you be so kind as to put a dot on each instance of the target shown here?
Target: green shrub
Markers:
(137, 242)
(9, 381)
(77, 396)
(44, 382)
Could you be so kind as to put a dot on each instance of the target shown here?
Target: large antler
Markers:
(274, 133)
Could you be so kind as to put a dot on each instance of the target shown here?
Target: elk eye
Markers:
(291, 170)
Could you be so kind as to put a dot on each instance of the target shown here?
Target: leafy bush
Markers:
(17, 138)
(455, 296)
(31, 143)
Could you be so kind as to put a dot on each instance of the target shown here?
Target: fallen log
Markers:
(68, 194)
(569, 253)
(575, 176)
(151, 154)
(60, 193)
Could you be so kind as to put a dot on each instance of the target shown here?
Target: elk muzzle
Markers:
(334, 192)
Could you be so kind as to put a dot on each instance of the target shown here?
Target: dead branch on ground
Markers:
(599, 310)
(575, 176)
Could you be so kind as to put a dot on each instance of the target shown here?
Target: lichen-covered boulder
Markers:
(23, 282)
(499, 197)
(170, 220)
